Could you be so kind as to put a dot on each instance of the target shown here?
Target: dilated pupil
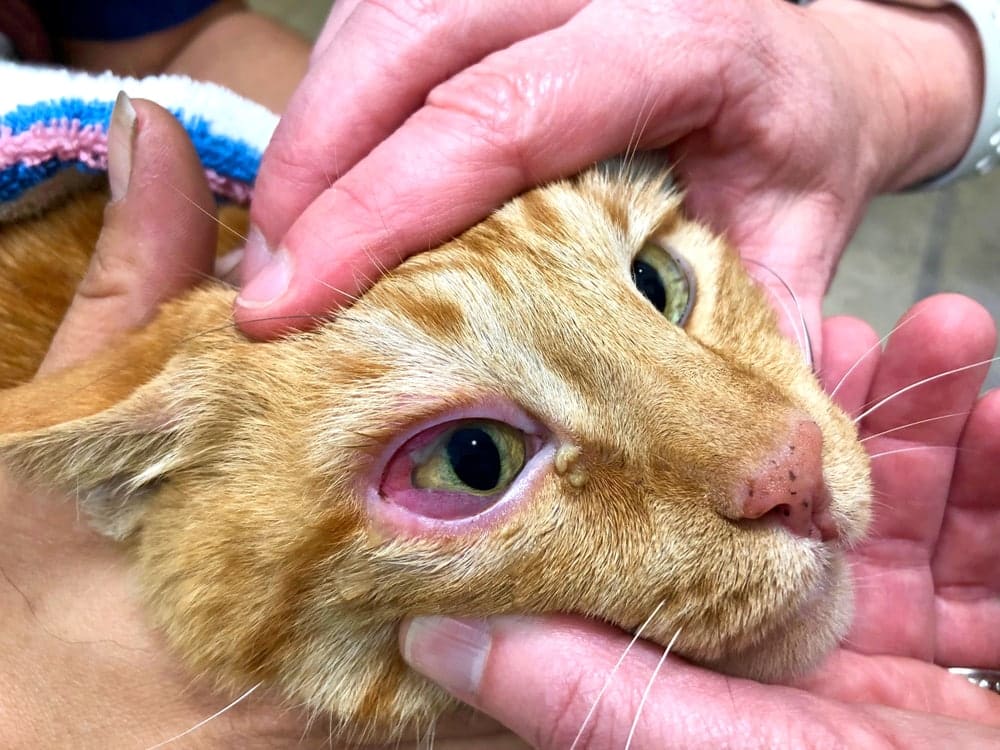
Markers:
(474, 458)
(648, 282)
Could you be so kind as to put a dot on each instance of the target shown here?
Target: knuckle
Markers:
(410, 16)
(359, 208)
(499, 108)
(111, 274)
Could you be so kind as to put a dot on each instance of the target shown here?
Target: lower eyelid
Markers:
(395, 520)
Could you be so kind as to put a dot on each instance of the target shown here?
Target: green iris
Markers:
(479, 457)
(664, 281)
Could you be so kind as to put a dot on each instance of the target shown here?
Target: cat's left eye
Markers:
(665, 281)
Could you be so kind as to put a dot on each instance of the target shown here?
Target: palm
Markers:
(927, 580)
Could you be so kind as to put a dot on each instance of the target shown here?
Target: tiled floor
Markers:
(908, 247)
(911, 246)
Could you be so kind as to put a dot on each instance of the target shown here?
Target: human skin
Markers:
(927, 592)
(416, 119)
(82, 668)
(227, 44)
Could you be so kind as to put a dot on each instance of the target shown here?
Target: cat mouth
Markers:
(825, 526)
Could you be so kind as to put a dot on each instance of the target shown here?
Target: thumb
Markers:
(158, 237)
(562, 682)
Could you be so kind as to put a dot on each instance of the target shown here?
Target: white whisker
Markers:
(611, 675)
(870, 349)
(638, 130)
(804, 342)
(914, 424)
(338, 290)
(209, 214)
(911, 386)
(649, 687)
(907, 450)
(203, 722)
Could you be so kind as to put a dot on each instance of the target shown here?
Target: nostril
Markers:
(787, 487)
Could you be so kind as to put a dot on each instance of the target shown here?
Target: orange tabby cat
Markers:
(582, 404)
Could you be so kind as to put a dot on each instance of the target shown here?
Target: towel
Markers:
(54, 125)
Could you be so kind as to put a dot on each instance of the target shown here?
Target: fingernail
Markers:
(256, 254)
(270, 283)
(449, 651)
(121, 138)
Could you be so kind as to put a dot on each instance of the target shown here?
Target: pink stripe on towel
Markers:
(65, 140)
(69, 141)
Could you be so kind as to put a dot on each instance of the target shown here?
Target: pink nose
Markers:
(788, 488)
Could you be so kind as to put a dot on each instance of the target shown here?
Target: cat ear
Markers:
(105, 432)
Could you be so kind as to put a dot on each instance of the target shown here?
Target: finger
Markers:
(158, 237)
(555, 683)
(967, 560)
(902, 683)
(387, 57)
(942, 333)
(850, 359)
(339, 13)
(912, 467)
(527, 114)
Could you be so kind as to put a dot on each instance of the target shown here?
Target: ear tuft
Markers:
(111, 462)
(108, 431)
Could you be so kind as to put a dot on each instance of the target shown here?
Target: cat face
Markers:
(582, 404)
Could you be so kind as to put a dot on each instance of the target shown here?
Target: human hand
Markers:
(81, 666)
(417, 119)
(926, 583)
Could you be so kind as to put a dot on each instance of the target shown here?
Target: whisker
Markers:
(232, 324)
(911, 386)
(209, 214)
(805, 342)
(908, 449)
(649, 687)
(338, 290)
(637, 132)
(872, 348)
(611, 674)
(914, 424)
(203, 722)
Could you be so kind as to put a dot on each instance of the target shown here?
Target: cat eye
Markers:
(456, 470)
(480, 457)
(665, 281)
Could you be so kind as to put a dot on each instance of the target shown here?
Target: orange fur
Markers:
(235, 471)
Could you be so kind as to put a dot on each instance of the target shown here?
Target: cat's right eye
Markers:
(478, 456)
(665, 281)
(456, 469)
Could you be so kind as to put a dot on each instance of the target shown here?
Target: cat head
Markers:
(583, 404)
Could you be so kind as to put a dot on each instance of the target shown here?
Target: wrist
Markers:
(923, 83)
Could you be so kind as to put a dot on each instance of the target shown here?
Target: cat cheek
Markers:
(397, 509)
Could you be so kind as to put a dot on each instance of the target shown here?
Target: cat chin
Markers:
(803, 640)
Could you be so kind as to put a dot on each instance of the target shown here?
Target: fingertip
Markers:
(956, 317)
(298, 290)
(451, 651)
(269, 284)
(850, 358)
